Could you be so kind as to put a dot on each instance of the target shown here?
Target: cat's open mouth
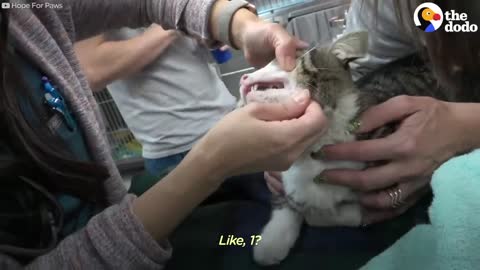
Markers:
(273, 91)
(263, 86)
(269, 84)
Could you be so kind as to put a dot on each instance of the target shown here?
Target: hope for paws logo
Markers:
(429, 17)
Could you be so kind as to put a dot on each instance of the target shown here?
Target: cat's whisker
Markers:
(306, 53)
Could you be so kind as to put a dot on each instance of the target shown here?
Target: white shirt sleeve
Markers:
(388, 41)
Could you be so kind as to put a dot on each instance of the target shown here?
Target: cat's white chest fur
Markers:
(324, 204)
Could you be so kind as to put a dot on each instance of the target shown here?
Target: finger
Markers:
(274, 185)
(290, 108)
(286, 55)
(301, 45)
(308, 127)
(366, 150)
(392, 110)
(373, 178)
(371, 216)
(225, 48)
(273, 190)
(273, 179)
(286, 48)
(376, 216)
(277, 175)
(383, 200)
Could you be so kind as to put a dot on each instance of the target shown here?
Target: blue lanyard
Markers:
(56, 102)
(53, 98)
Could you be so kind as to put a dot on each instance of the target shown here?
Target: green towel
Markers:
(452, 241)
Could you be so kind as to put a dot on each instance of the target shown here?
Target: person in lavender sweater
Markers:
(63, 202)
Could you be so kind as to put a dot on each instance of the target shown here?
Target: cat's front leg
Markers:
(278, 236)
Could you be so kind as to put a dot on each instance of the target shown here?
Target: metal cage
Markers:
(126, 150)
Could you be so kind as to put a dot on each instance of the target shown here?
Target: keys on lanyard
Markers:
(56, 102)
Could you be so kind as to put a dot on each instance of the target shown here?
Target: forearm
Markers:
(106, 61)
(113, 239)
(197, 18)
(240, 20)
(92, 17)
(162, 208)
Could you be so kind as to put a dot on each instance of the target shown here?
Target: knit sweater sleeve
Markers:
(114, 239)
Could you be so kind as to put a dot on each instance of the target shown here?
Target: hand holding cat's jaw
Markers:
(262, 137)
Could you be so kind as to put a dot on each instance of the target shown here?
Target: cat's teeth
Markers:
(255, 87)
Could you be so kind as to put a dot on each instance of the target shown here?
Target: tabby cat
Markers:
(324, 71)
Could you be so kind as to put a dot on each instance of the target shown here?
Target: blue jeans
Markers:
(163, 166)
(250, 187)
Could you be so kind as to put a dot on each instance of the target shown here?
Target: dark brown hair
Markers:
(37, 148)
(455, 57)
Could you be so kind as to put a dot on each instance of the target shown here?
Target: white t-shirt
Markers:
(173, 101)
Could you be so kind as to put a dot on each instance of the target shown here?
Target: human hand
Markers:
(159, 33)
(261, 41)
(262, 136)
(224, 48)
(274, 182)
(265, 41)
(428, 134)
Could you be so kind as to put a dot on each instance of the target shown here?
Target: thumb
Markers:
(286, 53)
(292, 107)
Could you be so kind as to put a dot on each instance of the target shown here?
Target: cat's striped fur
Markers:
(324, 71)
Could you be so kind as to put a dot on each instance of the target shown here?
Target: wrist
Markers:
(206, 163)
(229, 20)
(241, 21)
(465, 116)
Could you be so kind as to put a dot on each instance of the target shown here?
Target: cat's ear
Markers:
(351, 46)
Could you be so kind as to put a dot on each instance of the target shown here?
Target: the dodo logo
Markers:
(428, 17)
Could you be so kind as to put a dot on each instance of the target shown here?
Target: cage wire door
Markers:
(124, 147)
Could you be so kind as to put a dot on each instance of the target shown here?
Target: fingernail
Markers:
(319, 180)
(354, 125)
(302, 96)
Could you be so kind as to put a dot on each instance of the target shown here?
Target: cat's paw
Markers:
(278, 237)
(270, 250)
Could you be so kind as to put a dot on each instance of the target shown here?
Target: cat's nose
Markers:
(244, 77)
